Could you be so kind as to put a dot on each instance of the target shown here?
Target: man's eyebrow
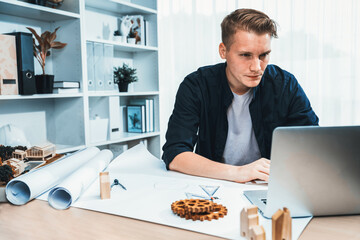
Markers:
(267, 52)
(245, 52)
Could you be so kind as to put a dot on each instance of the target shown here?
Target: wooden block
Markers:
(104, 185)
(286, 233)
(257, 233)
(249, 217)
(276, 222)
(281, 225)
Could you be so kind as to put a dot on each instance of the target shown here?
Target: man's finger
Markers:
(262, 176)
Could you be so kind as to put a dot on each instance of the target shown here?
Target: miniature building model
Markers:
(17, 165)
(41, 152)
(248, 218)
(249, 224)
(19, 154)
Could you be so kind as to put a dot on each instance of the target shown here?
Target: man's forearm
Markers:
(194, 164)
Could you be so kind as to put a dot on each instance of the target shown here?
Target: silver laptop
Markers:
(315, 171)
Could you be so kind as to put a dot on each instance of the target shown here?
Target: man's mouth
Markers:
(254, 76)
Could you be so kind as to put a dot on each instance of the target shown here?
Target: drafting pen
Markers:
(116, 182)
(122, 186)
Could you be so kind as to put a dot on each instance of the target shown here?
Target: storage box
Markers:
(99, 130)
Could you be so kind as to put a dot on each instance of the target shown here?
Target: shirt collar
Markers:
(228, 95)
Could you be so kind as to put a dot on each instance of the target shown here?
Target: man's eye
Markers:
(245, 55)
(264, 55)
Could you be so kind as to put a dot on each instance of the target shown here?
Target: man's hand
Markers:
(260, 169)
(194, 164)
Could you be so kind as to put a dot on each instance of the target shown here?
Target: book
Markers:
(138, 28)
(99, 66)
(149, 112)
(66, 84)
(136, 118)
(66, 90)
(90, 65)
(146, 31)
(108, 67)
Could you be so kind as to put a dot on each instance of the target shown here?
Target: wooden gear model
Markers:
(198, 209)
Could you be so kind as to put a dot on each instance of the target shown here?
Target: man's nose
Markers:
(255, 65)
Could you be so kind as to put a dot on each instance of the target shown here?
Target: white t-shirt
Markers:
(241, 146)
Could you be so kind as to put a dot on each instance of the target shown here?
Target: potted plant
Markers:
(119, 37)
(44, 82)
(123, 76)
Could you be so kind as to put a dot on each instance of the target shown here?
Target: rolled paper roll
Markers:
(24, 188)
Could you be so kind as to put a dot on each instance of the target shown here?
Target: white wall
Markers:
(319, 42)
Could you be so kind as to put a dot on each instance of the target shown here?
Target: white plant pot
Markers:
(131, 40)
(117, 38)
(121, 39)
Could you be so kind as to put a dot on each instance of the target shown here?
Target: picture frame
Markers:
(135, 118)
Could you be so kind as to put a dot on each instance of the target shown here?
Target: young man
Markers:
(230, 110)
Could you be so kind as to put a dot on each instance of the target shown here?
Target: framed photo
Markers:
(136, 119)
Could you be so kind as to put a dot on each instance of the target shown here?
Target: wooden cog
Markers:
(198, 212)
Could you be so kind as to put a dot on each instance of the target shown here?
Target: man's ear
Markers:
(222, 50)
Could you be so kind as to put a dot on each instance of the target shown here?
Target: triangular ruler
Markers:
(210, 190)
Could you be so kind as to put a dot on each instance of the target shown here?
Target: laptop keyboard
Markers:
(264, 200)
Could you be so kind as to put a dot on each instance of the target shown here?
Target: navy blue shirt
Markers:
(200, 112)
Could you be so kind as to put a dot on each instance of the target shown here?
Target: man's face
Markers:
(247, 58)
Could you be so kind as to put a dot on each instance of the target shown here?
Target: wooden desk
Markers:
(37, 220)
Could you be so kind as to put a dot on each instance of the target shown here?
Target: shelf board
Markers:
(40, 96)
(125, 137)
(33, 11)
(119, 6)
(110, 93)
(125, 47)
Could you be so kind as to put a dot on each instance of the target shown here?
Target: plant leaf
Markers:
(38, 38)
(47, 46)
(58, 45)
(53, 35)
(45, 34)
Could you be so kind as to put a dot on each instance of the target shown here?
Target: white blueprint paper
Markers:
(22, 189)
(151, 190)
(69, 190)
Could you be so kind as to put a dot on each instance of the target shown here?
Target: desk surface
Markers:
(37, 220)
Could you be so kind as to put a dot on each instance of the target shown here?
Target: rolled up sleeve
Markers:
(181, 135)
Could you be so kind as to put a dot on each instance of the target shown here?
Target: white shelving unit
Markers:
(64, 119)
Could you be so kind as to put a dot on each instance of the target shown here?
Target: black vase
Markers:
(44, 83)
(123, 87)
